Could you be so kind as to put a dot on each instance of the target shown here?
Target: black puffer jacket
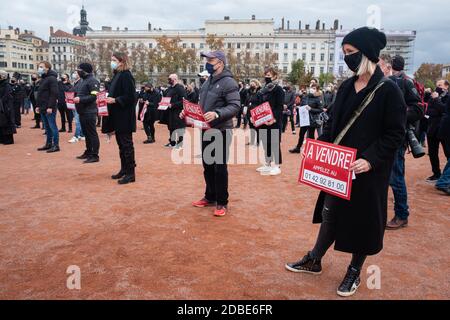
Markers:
(47, 96)
(87, 91)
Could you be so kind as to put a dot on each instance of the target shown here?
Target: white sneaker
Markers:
(275, 171)
(73, 140)
(266, 171)
(264, 168)
(83, 139)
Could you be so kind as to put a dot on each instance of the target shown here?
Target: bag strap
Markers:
(358, 112)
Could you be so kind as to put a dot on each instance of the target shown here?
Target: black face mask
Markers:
(353, 61)
(33, 79)
(202, 80)
(268, 80)
(440, 91)
(83, 74)
(13, 82)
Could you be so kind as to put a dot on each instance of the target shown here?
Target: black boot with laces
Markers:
(306, 265)
(350, 284)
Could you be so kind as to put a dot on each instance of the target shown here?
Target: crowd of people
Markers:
(379, 111)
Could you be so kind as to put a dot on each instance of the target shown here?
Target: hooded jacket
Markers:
(220, 94)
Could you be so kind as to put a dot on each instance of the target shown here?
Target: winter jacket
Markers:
(47, 96)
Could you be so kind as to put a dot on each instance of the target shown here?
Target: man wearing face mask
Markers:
(7, 124)
(47, 98)
(79, 135)
(151, 98)
(86, 105)
(220, 101)
(33, 96)
(203, 77)
(435, 112)
(176, 126)
(66, 114)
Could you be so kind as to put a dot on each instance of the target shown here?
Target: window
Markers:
(341, 69)
(304, 46)
(313, 57)
(257, 56)
(322, 69)
(313, 46)
(184, 45)
(285, 69)
(313, 70)
(202, 45)
(192, 45)
(3, 64)
(295, 46)
(31, 67)
(331, 57)
(286, 45)
(304, 56)
(229, 45)
(294, 57)
(322, 46)
(238, 45)
(248, 45)
(267, 45)
(150, 45)
(277, 46)
(322, 57)
(285, 57)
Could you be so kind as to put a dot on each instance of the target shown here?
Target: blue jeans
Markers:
(78, 130)
(444, 181)
(398, 185)
(51, 129)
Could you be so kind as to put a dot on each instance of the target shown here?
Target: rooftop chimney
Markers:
(323, 26)
(226, 18)
(51, 30)
(307, 26)
(318, 25)
(300, 25)
(336, 24)
(253, 17)
(149, 26)
(282, 23)
(288, 24)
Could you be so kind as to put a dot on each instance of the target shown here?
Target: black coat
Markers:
(177, 93)
(7, 111)
(153, 98)
(435, 112)
(444, 129)
(47, 96)
(377, 135)
(275, 97)
(86, 89)
(62, 89)
(122, 114)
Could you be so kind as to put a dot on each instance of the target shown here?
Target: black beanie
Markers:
(370, 41)
(398, 63)
(86, 67)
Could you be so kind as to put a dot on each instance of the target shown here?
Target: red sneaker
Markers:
(221, 211)
(203, 203)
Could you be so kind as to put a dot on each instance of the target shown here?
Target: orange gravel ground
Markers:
(145, 241)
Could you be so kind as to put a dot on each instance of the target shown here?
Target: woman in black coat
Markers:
(357, 226)
(122, 116)
(66, 114)
(7, 119)
(274, 94)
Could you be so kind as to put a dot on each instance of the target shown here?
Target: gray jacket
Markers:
(221, 94)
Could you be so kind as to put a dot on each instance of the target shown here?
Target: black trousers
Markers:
(271, 140)
(17, 114)
(126, 152)
(301, 137)
(66, 116)
(285, 122)
(149, 123)
(433, 152)
(327, 234)
(215, 166)
(88, 125)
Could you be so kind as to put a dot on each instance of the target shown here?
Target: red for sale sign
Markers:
(326, 167)
(261, 114)
(165, 103)
(193, 115)
(69, 100)
(102, 104)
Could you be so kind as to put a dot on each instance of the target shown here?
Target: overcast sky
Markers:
(431, 18)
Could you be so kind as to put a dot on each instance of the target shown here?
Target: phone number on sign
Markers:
(325, 182)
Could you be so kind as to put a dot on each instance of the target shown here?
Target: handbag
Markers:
(367, 100)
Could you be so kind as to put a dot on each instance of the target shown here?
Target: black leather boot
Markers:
(45, 148)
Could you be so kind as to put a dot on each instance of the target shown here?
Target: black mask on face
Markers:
(268, 80)
(83, 74)
(353, 60)
(202, 80)
(33, 79)
(13, 81)
(439, 90)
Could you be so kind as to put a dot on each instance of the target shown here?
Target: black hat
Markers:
(86, 67)
(370, 41)
(398, 63)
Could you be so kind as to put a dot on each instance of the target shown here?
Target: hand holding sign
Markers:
(261, 115)
(165, 103)
(102, 103)
(328, 167)
(193, 115)
(70, 100)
